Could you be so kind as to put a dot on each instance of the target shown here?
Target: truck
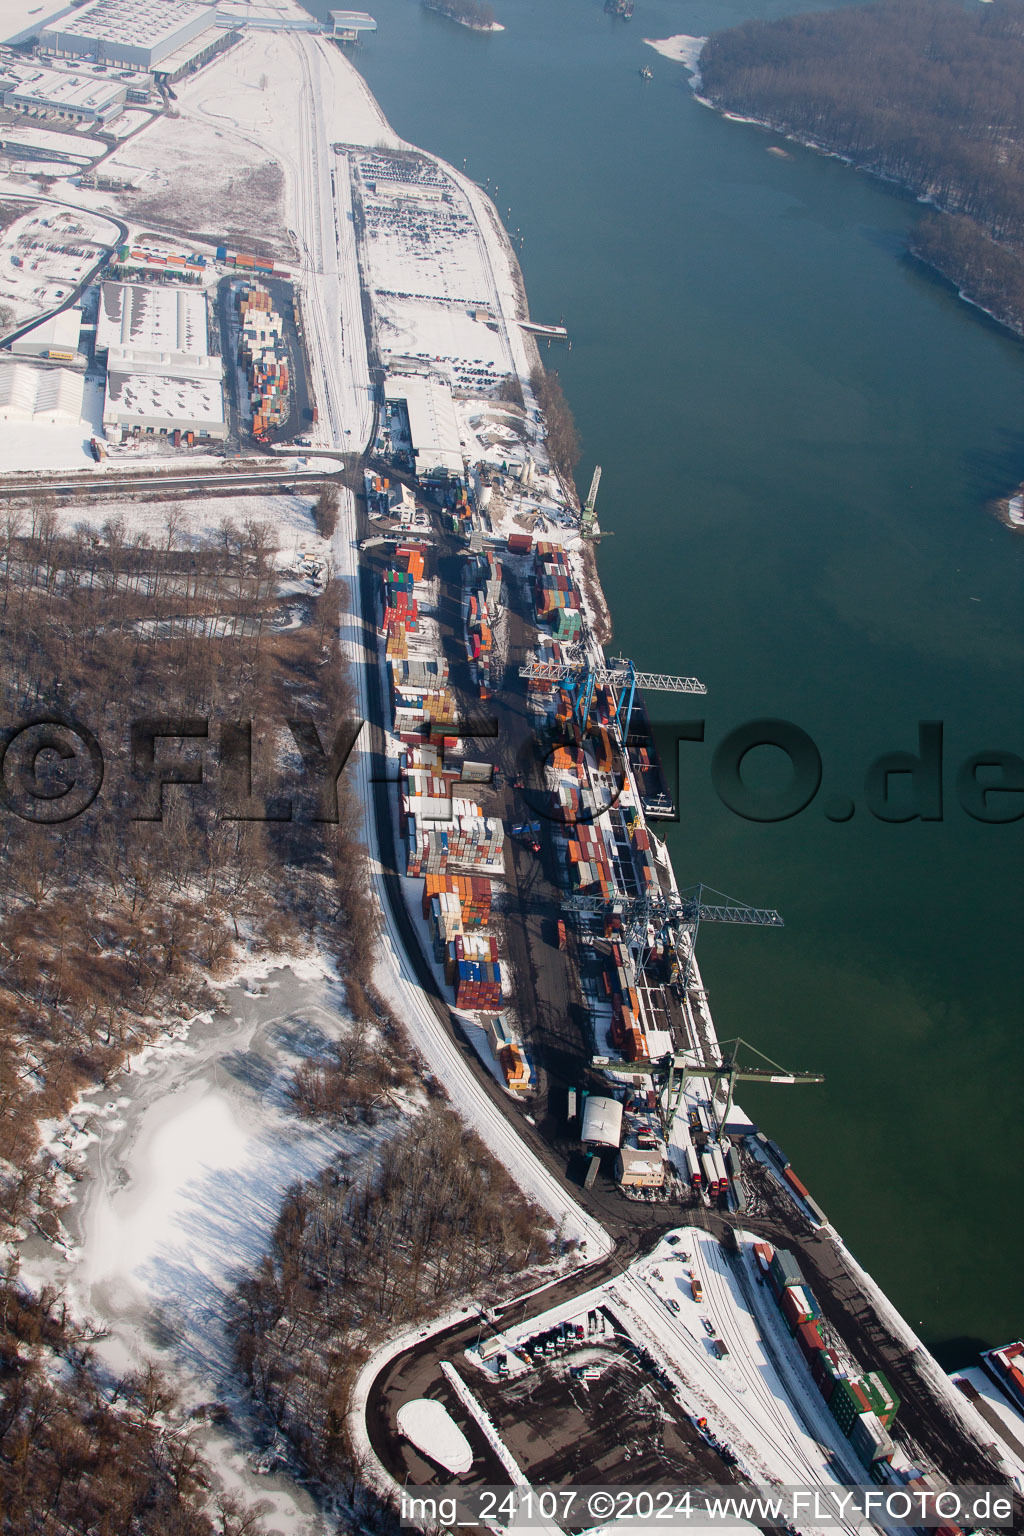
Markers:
(696, 1288)
(723, 1177)
(529, 831)
(707, 1163)
(692, 1165)
(99, 453)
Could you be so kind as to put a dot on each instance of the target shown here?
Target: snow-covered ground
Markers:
(189, 1159)
(200, 519)
(682, 48)
(45, 252)
(759, 1398)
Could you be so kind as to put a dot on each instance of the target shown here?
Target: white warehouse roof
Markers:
(152, 320)
(30, 392)
(139, 31)
(602, 1121)
(60, 332)
(433, 425)
(164, 401)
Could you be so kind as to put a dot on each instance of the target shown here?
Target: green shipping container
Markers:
(846, 1403)
(884, 1401)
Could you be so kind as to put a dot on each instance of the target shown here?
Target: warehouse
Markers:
(57, 337)
(135, 34)
(71, 97)
(161, 377)
(433, 427)
(33, 392)
(147, 402)
(152, 322)
(602, 1122)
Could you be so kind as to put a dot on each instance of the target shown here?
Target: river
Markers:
(798, 429)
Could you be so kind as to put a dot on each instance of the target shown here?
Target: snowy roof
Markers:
(354, 21)
(75, 92)
(60, 332)
(151, 318)
(31, 392)
(156, 397)
(139, 23)
(602, 1121)
(431, 1428)
(433, 425)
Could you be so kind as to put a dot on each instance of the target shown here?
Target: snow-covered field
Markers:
(189, 1159)
(289, 515)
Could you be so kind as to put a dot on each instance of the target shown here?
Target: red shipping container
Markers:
(764, 1252)
(794, 1309)
(809, 1340)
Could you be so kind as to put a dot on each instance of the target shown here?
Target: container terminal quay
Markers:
(711, 1325)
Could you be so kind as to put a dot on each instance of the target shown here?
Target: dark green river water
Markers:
(798, 430)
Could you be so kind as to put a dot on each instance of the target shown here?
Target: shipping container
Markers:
(847, 1402)
(870, 1439)
(707, 1164)
(809, 1340)
(784, 1271)
(883, 1399)
(793, 1306)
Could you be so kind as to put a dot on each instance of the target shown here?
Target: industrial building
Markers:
(639, 1169)
(55, 339)
(602, 1122)
(154, 322)
(67, 95)
(134, 34)
(424, 403)
(33, 392)
(161, 377)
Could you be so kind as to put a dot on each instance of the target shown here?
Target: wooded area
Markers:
(562, 437)
(108, 924)
(924, 92)
(356, 1255)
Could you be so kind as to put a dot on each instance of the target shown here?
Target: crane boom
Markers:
(566, 671)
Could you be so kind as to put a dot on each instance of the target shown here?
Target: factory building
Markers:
(134, 34)
(153, 321)
(424, 402)
(161, 378)
(71, 97)
(33, 392)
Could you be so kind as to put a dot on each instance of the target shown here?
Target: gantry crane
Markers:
(672, 915)
(583, 674)
(727, 1070)
(680, 1067)
(587, 516)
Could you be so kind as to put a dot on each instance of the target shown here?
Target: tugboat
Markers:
(646, 73)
